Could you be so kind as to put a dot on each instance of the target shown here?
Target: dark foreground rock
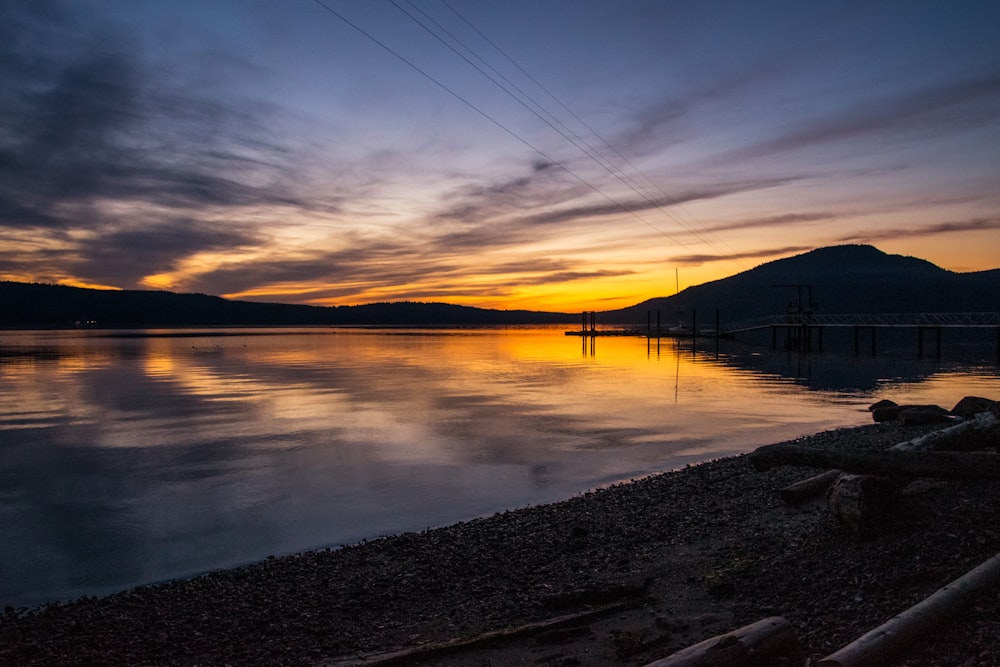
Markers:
(623, 575)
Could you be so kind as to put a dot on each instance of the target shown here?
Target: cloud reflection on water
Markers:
(132, 459)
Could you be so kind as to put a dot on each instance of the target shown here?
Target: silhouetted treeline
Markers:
(27, 305)
(839, 279)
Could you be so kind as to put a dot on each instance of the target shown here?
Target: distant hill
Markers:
(37, 305)
(837, 279)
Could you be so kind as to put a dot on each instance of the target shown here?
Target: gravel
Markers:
(622, 575)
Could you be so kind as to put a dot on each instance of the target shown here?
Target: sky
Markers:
(560, 155)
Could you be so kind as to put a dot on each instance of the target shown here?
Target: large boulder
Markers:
(970, 406)
(885, 411)
(913, 415)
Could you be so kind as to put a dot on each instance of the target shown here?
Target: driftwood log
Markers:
(871, 481)
(984, 427)
(861, 502)
(769, 641)
(879, 647)
(809, 487)
(977, 432)
(887, 463)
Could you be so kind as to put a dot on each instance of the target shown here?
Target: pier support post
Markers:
(920, 341)
(857, 338)
(718, 333)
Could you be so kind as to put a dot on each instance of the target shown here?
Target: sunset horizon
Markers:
(560, 157)
(856, 257)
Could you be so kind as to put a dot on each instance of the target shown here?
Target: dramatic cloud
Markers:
(128, 254)
(940, 109)
(775, 221)
(274, 152)
(756, 254)
(881, 234)
(95, 141)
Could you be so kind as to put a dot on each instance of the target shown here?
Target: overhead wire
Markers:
(557, 126)
(487, 116)
(538, 110)
(624, 159)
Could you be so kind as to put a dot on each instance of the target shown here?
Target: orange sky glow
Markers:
(559, 156)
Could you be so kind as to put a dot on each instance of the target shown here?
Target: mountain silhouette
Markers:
(838, 279)
(831, 280)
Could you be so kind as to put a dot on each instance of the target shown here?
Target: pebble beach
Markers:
(623, 575)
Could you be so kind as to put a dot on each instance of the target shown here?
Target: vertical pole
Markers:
(657, 325)
(718, 332)
(649, 330)
(583, 326)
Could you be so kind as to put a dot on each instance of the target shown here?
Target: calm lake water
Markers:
(134, 457)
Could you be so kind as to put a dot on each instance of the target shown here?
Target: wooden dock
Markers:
(804, 330)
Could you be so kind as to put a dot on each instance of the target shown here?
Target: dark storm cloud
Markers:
(86, 121)
(956, 227)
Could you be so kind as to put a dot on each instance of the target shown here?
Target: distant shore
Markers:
(623, 575)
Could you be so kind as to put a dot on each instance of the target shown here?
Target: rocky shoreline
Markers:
(623, 575)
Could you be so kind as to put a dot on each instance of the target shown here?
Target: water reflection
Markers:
(127, 459)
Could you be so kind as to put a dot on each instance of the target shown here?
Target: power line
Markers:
(493, 120)
(583, 123)
(585, 149)
(563, 131)
(590, 153)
